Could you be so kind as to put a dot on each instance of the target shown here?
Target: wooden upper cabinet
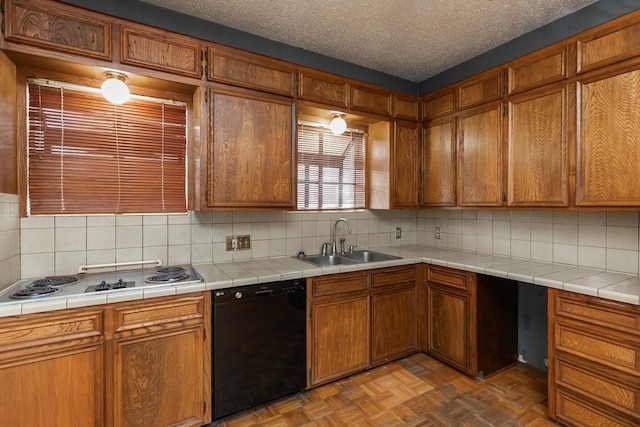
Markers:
(439, 163)
(484, 87)
(608, 141)
(608, 44)
(538, 147)
(405, 164)
(160, 50)
(439, 103)
(250, 159)
(249, 70)
(539, 68)
(480, 156)
(324, 88)
(405, 107)
(61, 28)
(370, 99)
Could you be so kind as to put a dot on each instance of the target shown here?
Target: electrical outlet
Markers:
(398, 232)
(436, 233)
(238, 243)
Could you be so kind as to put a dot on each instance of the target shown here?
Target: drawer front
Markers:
(598, 347)
(449, 277)
(63, 30)
(577, 413)
(393, 275)
(340, 283)
(592, 385)
(607, 47)
(158, 312)
(160, 51)
(610, 314)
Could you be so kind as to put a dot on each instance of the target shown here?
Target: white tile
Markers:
(521, 216)
(542, 251)
(201, 233)
(592, 235)
(294, 229)
(154, 220)
(241, 216)
(9, 244)
(128, 220)
(128, 254)
(542, 217)
(101, 221)
(179, 234)
(66, 221)
(202, 253)
(260, 248)
(154, 235)
(592, 218)
(129, 236)
(161, 291)
(37, 222)
(129, 295)
(155, 252)
(502, 247)
(220, 254)
(179, 254)
(622, 261)
(563, 217)
(564, 233)
(521, 249)
(541, 232)
(67, 263)
(622, 219)
(622, 238)
(521, 230)
(565, 253)
(260, 231)
(179, 219)
(484, 228)
(44, 305)
(215, 217)
(87, 300)
(14, 309)
(469, 243)
(220, 233)
(101, 256)
(484, 244)
(593, 257)
(39, 240)
(241, 228)
(101, 238)
(70, 239)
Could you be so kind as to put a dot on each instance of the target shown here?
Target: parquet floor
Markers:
(415, 391)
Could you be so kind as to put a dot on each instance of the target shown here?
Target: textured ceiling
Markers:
(411, 39)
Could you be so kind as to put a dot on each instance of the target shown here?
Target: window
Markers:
(330, 169)
(87, 156)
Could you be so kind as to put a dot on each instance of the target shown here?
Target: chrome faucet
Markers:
(334, 246)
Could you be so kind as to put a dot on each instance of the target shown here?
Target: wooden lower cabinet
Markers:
(594, 360)
(472, 320)
(51, 369)
(360, 319)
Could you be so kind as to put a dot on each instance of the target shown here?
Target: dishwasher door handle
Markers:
(266, 293)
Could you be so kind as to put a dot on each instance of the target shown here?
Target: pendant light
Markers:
(114, 89)
(338, 125)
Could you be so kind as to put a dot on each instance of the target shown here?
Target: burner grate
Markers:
(28, 293)
(168, 277)
(53, 281)
(173, 269)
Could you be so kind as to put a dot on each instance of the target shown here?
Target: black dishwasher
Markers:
(259, 344)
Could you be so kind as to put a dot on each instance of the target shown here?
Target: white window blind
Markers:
(330, 169)
(87, 156)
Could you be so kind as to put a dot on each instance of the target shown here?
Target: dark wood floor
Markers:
(415, 391)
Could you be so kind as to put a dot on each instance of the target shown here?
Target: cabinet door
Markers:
(51, 369)
(340, 343)
(370, 99)
(480, 157)
(324, 88)
(538, 148)
(405, 165)
(439, 163)
(449, 322)
(251, 150)
(608, 141)
(393, 318)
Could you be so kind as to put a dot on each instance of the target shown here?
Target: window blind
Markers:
(330, 169)
(88, 156)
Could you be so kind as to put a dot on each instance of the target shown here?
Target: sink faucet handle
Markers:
(342, 240)
(352, 248)
(325, 248)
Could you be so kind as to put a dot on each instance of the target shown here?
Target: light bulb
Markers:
(114, 89)
(338, 125)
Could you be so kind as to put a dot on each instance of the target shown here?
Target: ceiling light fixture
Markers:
(114, 89)
(338, 125)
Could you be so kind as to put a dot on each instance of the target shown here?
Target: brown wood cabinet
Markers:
(472, 321)
(594, 360)
(480, 156)
(608, 153)
(159, 367)
(438, 186)
(160, 50)
(250, 152)
(51, 26)
(484, 87)
(440, 103)
(370, 99)
(540, 68)
(538, 147)
(405, 107)
(323, 88)
(51, 369)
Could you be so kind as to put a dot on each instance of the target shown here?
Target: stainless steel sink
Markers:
(368, 256)
(348, 258)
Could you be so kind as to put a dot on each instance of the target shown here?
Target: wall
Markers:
(9, 239)
(58, 245)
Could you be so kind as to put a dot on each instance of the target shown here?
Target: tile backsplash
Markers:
(54, 245)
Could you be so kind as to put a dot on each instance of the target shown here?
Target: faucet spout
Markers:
(334, 246)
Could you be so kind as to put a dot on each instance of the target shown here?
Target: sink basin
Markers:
(348, 258)
(368, 256)
(327, 260)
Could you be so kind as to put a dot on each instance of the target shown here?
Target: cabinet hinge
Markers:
(2, 7)
(504, 197)
(310, 375)
(505, 111)
(204, 61)
(204, 335)
(204, 407)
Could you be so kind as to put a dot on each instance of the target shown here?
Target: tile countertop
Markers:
(609, 285)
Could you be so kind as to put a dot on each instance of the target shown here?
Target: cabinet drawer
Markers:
(250, 71)
(158, 312)
(592, 385)
(370, 100)
(606, 47)
(439, 104)
(449, 277)
(323, 88)
(538, 69)
(393, 276)
(337, 284)
(61, 29)
(485, 87)
(610, 314)
(576, 412)
(160, 51)
(598, 346)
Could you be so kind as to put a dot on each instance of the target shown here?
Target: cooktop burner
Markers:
(53, 281)
(168, 277)
(172, 269)
(37, 292)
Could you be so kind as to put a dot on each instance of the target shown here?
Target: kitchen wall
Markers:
(55, 245)
(602, 240)
(9, 239)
